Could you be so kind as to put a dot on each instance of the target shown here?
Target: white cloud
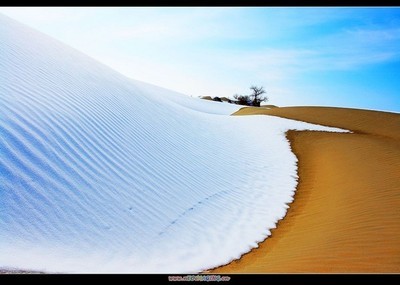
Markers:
(347, 50)
(205, 51)
(43, 15)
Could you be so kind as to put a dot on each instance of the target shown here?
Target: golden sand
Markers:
(346, 213)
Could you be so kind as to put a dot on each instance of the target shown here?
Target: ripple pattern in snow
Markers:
(101, 173)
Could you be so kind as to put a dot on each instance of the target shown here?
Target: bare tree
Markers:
(242, 99)
(256, 95)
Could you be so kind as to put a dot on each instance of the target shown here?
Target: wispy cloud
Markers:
(37, 16)
(348, 50)
(221, 50)
(356, 47)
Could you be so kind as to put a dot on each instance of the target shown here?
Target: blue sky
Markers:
(302, 56)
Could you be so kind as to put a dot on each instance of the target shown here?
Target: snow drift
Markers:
(101, 173)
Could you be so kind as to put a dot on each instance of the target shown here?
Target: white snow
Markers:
(101, 173)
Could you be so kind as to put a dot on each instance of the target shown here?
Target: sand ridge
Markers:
(358, 120)
(345, 215)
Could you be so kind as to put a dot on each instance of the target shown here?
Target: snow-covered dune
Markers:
(101, 173)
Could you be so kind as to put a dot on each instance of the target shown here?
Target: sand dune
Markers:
(100, 173)
(345, 215)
